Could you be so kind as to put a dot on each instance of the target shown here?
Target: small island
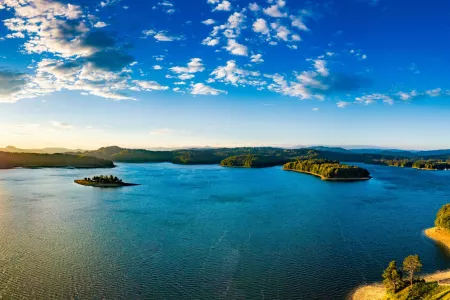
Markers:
(104, 182)
(328, 170)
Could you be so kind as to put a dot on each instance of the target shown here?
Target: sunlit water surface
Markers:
(206, 232)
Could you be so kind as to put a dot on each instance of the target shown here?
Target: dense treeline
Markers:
(217, 155)
(253, 161)
(327, 169)
(104, 179)
(32, 160)
(416, 163)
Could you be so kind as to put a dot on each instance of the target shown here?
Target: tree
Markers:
(412, 265)
(392, 277)
(443, 217)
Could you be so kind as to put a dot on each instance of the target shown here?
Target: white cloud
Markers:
(209, 41)
(157, 67)
(161, 36)
(256, 58)
(202, 89)
(194, 66)
(274, 11)
(282, 32)
(298, 23)
(100, 25)
(236, 49)
(254, 6)
(407, 96)
(232, 74)
(321, 67)
(372, 98)
(224, 6)
(149, 85)
(209, 22)
(434, 93)
(261, 26)
(343, 104)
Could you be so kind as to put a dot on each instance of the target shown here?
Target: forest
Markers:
(327, 169)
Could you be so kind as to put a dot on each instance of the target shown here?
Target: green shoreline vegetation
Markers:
(397, 287)
(103, 181)
(328, 170)
(33, 160)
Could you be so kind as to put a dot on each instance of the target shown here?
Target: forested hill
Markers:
(215, 156)
(33, 160)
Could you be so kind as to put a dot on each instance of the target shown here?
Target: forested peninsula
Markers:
(32, 160)
(328, 170)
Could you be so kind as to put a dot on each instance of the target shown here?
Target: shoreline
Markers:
(377, 291)
(438, 235)
(330, 179)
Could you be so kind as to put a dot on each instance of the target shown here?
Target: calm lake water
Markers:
(206, 232)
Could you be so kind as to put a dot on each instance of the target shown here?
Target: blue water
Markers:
(206, 232)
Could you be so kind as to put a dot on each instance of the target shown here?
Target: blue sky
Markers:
(145, 74)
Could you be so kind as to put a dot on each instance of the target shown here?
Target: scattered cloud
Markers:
(236, 49)
(145, 85)
(343, 104)
(373, 98)
(257, 58)
(100, 25)
(202, 89)
(194, 66)
(209, 22)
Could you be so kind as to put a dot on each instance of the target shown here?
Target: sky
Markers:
(177, 73)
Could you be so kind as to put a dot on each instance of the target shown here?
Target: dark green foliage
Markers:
(416, 163)
(253, 161)
(104, 179)
(392, 278)
(412, 265)
(32, 160)
(443, 217)
(327, 169)
(215, 156)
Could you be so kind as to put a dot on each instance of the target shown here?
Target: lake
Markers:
(206, 232)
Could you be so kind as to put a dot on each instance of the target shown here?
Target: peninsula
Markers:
(441, 232)
(328, 170)
(402, 283)
(103, 182)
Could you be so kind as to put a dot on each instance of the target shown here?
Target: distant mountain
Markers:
(331, 149)
(389, 152)
(443, 152)
(13, 149)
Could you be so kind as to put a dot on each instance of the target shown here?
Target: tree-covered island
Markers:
(328, 170)
(103, 181)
